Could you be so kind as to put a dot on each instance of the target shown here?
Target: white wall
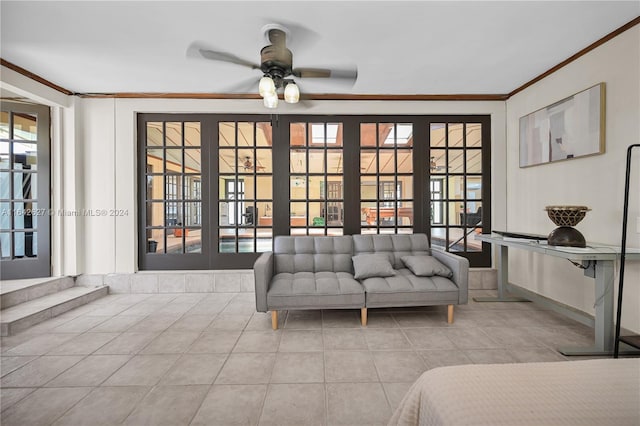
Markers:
(596, 181)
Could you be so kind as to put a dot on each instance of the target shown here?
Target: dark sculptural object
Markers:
(566, 217)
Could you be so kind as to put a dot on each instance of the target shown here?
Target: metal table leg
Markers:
(503, 279)
(603, 328)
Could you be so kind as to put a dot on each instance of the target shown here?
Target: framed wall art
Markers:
(570, 128)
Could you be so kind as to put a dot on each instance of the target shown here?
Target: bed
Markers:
(592, 392)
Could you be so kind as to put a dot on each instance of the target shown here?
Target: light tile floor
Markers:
(210, 359)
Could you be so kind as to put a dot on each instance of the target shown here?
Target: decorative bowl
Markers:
(566, 215)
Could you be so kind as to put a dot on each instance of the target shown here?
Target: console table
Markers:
(598, 262)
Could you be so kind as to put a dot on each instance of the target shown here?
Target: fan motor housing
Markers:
(276, 61)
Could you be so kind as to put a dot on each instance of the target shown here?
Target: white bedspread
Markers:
(592, 392)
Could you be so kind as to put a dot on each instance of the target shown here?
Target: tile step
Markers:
(15, 292)
(27, 314)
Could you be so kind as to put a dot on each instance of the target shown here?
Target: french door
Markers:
(24, 191)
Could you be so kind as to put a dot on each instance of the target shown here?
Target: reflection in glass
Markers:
(399, 135)
(192, 134)
(155, 187)
(173, 160)
(4, 125)
(226, 134)
(438, 161)
(155, 159)
(405, 187)
(298, 214)
(335, 213)
(227, 160)
(387, 161)
(246, 162)
(316, 215)
(298, 161)
(405, 160)
(264, 241)
(386, 135)
(474, 134)
(455, 135)
(368, 162)
(155, 214)
(264, 187)
(438, 237)
(329, 134)
(265, 213)
(5, 245)
(25, 156)
(334, 161)
(437, 135)
(4, 155)
(192, 187)
(25, 127)
(173, 134)
(263, 134)
(316, 187)
(368, 189)
(455, 186)
(5, 216)
(154, 134)
(173, 213)
(227, 242)
(193, 214)
(298, 187)
(405, 213)
(455, 212)
(474, 188)
(316, 161)
(192, 163)
(297, 134)
(245, 134)
(263, 161)
(368, 214)
(474, 161)
(246, 241)
(248, 215)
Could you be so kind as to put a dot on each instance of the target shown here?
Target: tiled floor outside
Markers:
(210, 359)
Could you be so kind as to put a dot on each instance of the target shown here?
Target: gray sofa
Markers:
(318, 273)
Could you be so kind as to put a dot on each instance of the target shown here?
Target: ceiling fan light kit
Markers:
(266, 86)
(271, 100)
(276, 64)
(291, 93)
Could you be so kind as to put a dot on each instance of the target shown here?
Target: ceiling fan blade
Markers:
(341, 74)
(311, 73)
(197, 50)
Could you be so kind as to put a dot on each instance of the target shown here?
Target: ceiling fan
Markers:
(249, 166)
(276, 64)
(434, 167)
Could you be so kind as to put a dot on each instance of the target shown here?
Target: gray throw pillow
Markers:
(372, 265)
(426, 266)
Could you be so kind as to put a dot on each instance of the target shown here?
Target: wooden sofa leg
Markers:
(274, 320)
(363, 316)
(450, 314)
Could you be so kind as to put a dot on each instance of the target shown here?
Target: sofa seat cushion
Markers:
(407, 289)
(315, 290)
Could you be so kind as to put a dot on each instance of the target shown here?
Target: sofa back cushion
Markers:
(313, 254)
(394, 246)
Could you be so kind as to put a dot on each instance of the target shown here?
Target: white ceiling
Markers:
(416, 47)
